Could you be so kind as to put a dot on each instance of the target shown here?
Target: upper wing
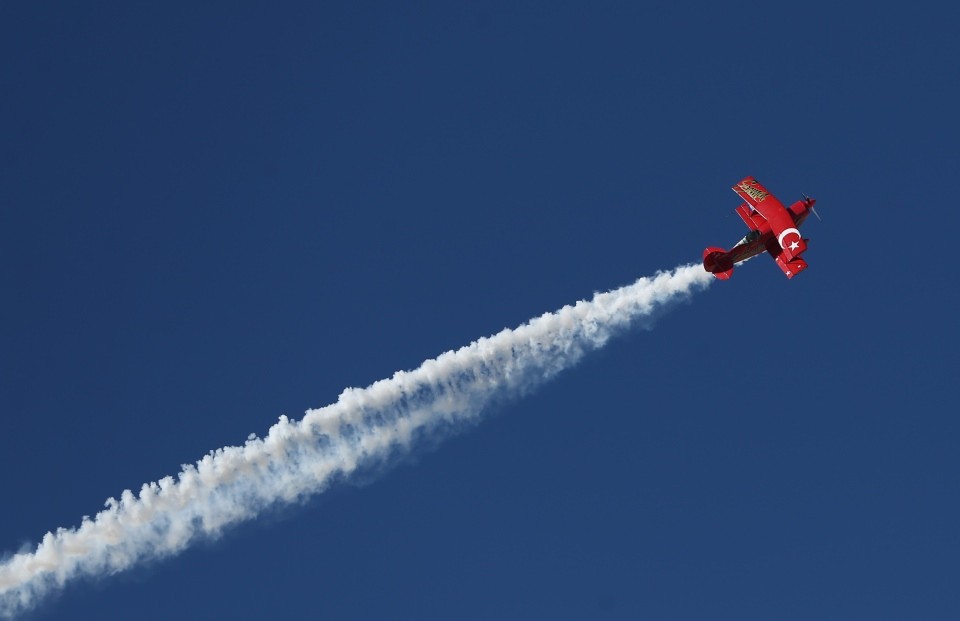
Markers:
(751, 191)
(765, 203)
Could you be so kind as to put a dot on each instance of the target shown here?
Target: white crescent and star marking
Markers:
(784, 234)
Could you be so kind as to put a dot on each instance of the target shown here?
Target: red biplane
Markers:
(773, 228)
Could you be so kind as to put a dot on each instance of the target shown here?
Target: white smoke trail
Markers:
(362, 429)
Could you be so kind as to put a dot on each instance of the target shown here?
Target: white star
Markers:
(794, 245)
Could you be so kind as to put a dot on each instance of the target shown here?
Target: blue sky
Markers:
(214, 215)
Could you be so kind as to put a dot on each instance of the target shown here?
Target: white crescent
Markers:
(785, 233)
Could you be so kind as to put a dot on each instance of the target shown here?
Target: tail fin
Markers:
(717, 261)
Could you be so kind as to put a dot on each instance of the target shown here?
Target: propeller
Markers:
(807, 200)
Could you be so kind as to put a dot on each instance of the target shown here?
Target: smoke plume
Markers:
(363, 429)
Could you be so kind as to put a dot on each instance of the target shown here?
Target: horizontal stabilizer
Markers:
(718, 262)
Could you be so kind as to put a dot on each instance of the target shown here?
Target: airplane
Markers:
(773, 228)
